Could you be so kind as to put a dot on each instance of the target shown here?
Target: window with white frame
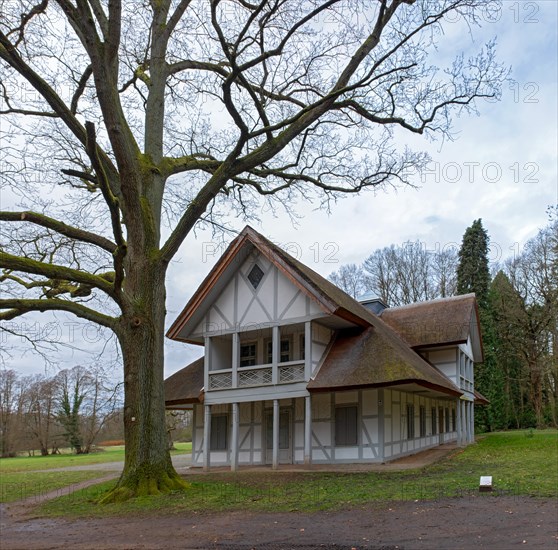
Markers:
(284, 350)
(248, 352)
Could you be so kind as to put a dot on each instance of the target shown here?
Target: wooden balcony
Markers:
(258, 375)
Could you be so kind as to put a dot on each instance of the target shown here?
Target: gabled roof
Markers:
(444, 321)
(331, 299)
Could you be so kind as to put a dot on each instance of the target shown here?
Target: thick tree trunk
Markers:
(148, 469)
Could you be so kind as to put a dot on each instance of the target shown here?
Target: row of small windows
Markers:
(440, 421)
(346, 425)
(249, 351)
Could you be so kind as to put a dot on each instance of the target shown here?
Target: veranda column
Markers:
(234, 442)
(307, 430)
(235, 358)
(206, 436)
(458, 419)
(275, 461)
(465, 412)
(275, 343)
(472, 421)
(471, 425)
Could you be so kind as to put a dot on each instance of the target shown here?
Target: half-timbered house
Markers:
(296, 371)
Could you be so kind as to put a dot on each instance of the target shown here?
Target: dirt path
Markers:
(480, 521)
(475, 522)
(179, 461)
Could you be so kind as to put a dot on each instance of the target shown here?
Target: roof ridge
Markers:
(456, 297)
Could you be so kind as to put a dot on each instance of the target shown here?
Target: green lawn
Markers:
(107, 454)
(18, 485)
(519, 465)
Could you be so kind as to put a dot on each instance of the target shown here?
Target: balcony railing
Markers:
(287, 373)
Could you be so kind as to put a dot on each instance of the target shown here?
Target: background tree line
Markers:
(518, 306)
(74, 408)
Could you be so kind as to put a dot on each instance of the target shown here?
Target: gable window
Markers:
(346, 426)
(219, 431)
(248, 354)
(410, 421)
(422, 420)
(284, 351)
(255, 276)
(434, 421)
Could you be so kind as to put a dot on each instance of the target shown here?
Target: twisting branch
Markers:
(26, 17)
(60, 227)
(10, 55)
(54, 271)
(81, 88)
(14, 307)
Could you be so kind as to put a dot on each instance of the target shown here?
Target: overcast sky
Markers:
(502, 168)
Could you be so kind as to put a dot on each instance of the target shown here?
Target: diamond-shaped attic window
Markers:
(255, 275)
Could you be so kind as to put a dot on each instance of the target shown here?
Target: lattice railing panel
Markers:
(220, 381)
(291, 373)
(256, 377)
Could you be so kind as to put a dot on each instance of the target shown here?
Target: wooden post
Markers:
(206, 436)
(307, 350)
(308, 430)
(275, 462)
(458, 419)
(235, 358)
(234, 442)
(275, 343)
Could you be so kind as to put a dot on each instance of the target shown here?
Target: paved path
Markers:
(180, 462)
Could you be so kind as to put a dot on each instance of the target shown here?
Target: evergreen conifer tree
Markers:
(473, 275)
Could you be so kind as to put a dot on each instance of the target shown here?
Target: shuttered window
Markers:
(219, 430)
(410, 421)
(346, 426)
(422, 413)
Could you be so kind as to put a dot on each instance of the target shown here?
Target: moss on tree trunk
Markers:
(148, 468)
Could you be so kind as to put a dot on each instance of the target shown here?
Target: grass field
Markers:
(107, 454)
(520, 465)
(20, 479)
(21, 485)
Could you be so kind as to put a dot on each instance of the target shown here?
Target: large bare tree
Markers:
(122, 116)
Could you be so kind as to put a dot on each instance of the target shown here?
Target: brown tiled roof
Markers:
(186, 385)
(340, 303)
(432, 323)
(376, 357)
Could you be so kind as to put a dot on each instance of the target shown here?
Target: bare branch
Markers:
(53, 271)
(17, 307)
(59, 227)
